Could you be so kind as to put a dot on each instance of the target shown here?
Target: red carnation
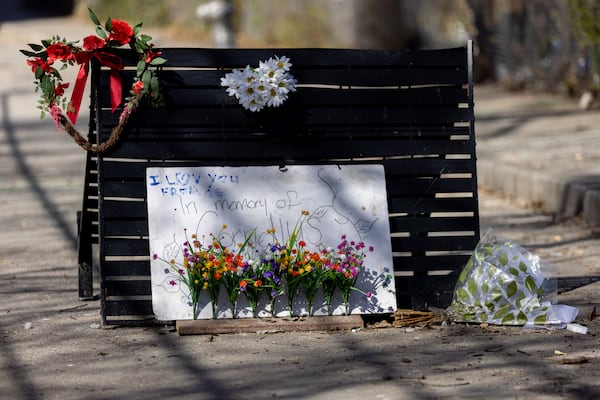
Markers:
(151, 55)
(60, 89)
(121, 32)
(92, 43)
(59, 51)
(138, 87)
(39, 63)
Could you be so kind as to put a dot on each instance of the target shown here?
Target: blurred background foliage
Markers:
(548, 45)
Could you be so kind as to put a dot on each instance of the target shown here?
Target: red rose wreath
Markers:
(44, 59)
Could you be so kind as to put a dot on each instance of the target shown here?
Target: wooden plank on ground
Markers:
(253, 325)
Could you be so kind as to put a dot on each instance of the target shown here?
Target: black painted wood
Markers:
(411, 111)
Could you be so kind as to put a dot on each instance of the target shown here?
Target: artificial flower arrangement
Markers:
(287, 269)
(53, 55)
(268, 85)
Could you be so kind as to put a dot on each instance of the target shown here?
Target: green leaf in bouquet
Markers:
(35, 46)
(146, 77)
(154, 84)
(137, 29)
(141, 66)
(93, 17)
(100, 32)
(158, 61)
(28, 53)
(511, 289)
(108, 25)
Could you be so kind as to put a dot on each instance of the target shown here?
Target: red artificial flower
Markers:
(121, 32)
(60, 89)
(92, 43)
(59, 51)
(39, 63)
(151, 55)
(138, 87)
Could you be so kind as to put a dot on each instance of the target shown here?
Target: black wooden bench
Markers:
(411, 111)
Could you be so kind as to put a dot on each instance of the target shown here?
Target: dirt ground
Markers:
(52, 346)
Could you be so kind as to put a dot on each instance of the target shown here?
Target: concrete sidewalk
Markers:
(535, 148)
(540, 149)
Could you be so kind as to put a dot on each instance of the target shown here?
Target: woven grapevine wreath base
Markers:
(85, 143)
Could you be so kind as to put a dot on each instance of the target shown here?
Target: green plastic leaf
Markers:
(472, 286)
(540, 319)
(28, 53)
(463, 275)
(496, 294)
(463, 295)
(530, 284)
(485, 287)
(146, 76)
(511, 289)
(503, 259)
(35, 46)
(509, 319)
(46, 42)
(514, 271)
(100, 32)
(141, 66)
(521, 318)
(520, 298)
(488, 250)
(502, 311)
(108, 25)
(93, 17)
(155, 87)
(158, 61)
(523, 266)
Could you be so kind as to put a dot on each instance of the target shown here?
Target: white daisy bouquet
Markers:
(265, 86)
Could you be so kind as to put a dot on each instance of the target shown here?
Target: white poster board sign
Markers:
(346, 200)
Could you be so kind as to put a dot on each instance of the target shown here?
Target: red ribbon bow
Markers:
(109, 60)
